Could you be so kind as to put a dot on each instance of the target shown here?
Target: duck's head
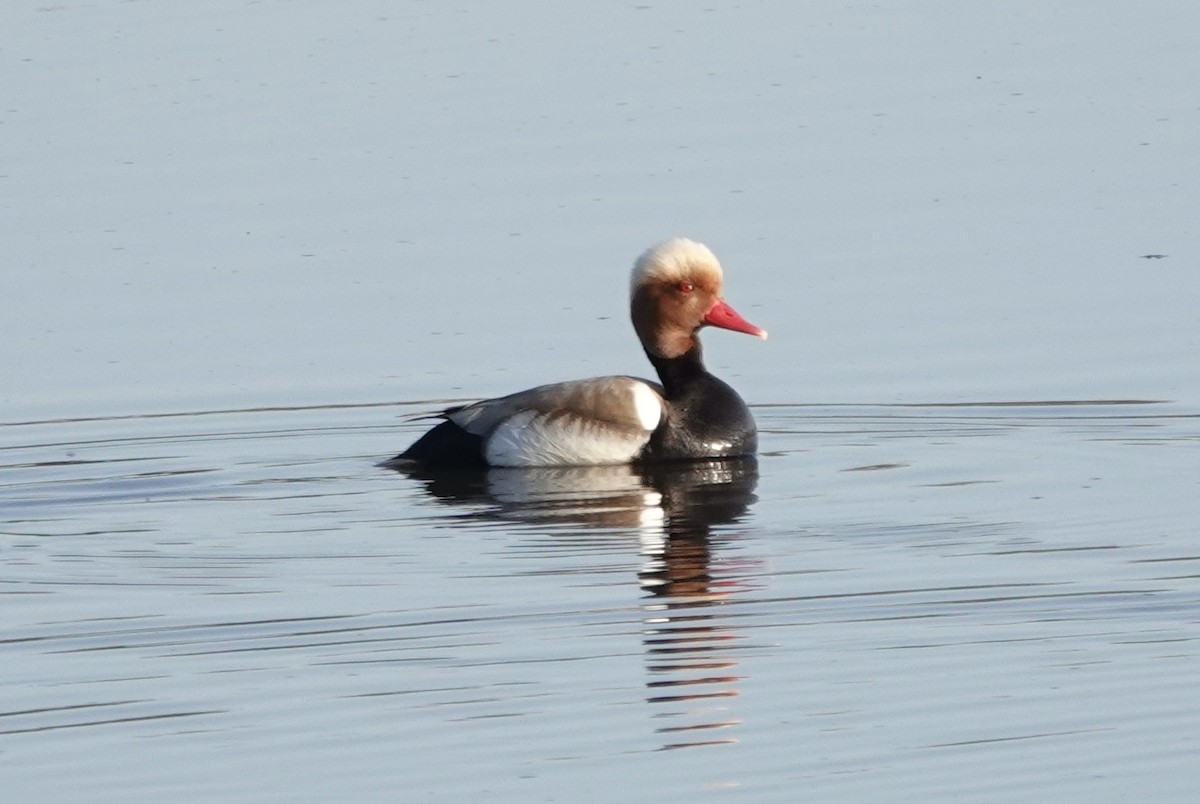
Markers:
(675, 290)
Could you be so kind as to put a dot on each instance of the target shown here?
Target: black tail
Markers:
(446, 446)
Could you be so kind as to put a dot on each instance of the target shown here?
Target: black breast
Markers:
(705, 417)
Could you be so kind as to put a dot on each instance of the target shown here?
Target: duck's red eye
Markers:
(686, 287)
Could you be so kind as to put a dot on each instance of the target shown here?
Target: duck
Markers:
(675, 290)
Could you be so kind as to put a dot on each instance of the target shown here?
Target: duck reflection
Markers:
(689, 639)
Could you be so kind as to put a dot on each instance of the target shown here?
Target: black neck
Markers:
(677, 373)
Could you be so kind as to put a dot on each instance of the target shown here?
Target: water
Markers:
(249, 243)
(992, 601)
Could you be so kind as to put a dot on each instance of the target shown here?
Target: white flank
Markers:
(530, 438)
(648, 404)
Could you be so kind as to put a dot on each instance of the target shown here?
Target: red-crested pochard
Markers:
(675, 290)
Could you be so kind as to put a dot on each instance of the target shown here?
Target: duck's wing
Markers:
(596, 421)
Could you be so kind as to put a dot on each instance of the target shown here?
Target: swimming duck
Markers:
(675, 290)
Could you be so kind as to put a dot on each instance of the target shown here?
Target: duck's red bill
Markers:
(723, 316)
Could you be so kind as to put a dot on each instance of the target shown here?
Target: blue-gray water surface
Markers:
(986, 601)
(245, 244)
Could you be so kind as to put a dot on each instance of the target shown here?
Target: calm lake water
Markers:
(997, 601)
(249, 245)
